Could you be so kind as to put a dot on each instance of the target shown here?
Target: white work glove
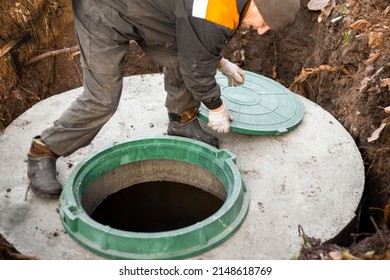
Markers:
(219, 119)
(235, 75)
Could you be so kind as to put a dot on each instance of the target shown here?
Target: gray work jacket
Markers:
(197, 30)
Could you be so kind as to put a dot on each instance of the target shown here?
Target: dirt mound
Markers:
(342, 63)
(355, 40)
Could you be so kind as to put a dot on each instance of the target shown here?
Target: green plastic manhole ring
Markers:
(176, 244)
(259, 107)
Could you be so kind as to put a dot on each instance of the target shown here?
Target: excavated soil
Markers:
(342, 63)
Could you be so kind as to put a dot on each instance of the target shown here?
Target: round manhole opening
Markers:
(155, 198)
(156, 206)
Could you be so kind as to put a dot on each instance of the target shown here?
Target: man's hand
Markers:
(235, 75)
(219, 119)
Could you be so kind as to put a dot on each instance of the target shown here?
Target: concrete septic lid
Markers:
(259, 107)
(312, 176)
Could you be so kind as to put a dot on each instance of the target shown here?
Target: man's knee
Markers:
(102, 91)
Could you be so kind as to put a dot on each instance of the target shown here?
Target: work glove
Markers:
(219, 119)
(235, 75)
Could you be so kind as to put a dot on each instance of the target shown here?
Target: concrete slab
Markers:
(312, 176)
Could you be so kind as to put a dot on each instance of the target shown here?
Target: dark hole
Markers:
(156, 206)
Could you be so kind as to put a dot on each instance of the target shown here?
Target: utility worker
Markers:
(186, 37)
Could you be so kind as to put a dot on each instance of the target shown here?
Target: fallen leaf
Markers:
(365, 83)
(387, 110)
(325, 6)
(375, 39)
(373, 57)
(360, 24)
(325, 12)
(274, 72)
(385, 82)
(348, 256)
(386, 11)
(375, 135)
(336, 255)
(369, 71)
(317, 5)
(345, 70)
(369, 255)
(351, 3)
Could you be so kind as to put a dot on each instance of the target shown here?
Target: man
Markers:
(184, 36)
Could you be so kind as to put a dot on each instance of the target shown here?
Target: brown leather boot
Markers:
(41, 170)
(187, 125)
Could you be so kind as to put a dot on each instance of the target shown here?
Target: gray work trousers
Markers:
(102, 51)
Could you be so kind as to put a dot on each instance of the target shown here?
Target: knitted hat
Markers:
(278, 13)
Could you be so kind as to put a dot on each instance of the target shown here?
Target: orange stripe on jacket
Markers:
(222, 12)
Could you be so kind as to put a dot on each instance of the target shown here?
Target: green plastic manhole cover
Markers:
(259, 107)
(128, 165)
